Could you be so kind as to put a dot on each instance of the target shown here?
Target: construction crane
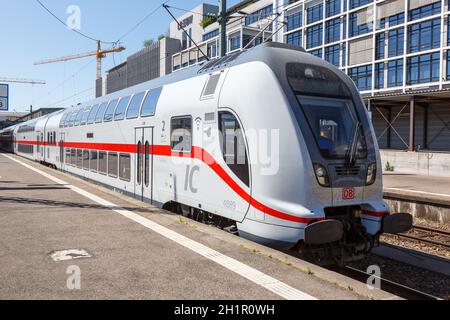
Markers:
(100, 54)
(28, 81)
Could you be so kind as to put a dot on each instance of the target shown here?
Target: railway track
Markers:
(398, 289)
(428, 235)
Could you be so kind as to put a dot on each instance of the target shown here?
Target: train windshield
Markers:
(335, 126)
(328, 106)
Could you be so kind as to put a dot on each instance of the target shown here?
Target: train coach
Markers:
(195, 142)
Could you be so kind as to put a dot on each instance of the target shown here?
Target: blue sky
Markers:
(30, 34)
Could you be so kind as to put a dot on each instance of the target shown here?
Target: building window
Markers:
(112, 164)
(294, 21)
(448, 65)
(233, 146)
(424, 36)
(425, 11)
(212, 50)
(396, 19)
(181, 134)
(395, 73)
(423, 68)
(314, 36)
(380, 44)
(379, 76)
(358, 29)
(314, 13)
(210, 35)
(332, 7)
(294, 39)
(125, 167)
(332, 54)
(396, 42)
(344, 55)
(362, 76)
(151, 100)
(235, 43)
(333, 30)
(358, 3)
(259, 15)
(317, 53)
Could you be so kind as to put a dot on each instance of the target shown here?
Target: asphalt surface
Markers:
(129, 261)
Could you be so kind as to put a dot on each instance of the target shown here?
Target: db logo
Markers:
(348, 193)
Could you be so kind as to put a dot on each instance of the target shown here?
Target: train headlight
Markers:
(321, 175)
(371, 174)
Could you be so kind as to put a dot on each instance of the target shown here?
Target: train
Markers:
(270, 143)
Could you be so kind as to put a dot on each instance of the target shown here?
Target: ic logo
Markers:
(348, 193)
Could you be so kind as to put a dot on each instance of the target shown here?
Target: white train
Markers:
(271, 142)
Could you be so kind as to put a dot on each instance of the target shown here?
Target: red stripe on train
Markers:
(196, 153)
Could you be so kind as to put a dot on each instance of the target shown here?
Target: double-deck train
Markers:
(272, 143)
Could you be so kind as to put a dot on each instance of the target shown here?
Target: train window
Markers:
(73, 157)
(147, 164)
(112, 164)
(233, 146)
(125, 167)
(63, 120)
(78, 118)
(92, 114)
(86, 160)
(94, 161)
(101, 112)
(121, 109)
(79, 158)
(85, 116)
(135, 106)
(139, 163)
(72, 118)
(150, 102)
(181, 134)
(102, 164)
(68, 156)
(110, 111)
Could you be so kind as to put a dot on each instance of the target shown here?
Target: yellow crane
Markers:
(100, 54)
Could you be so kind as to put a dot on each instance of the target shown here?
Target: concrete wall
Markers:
(424, 163)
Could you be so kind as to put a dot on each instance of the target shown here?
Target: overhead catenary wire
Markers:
(72, 29)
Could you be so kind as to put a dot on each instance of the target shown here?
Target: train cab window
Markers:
(86, 160)
(150, 102)
(109, 114)
(233, 146)
(125, 167)
(78, 118)
(79, 158)
(112, 164)
(101, 112)
(63, 120)
(92, 114)
(181, 134)
(94, 161)
(85, 116)
(121, 109)
(135, 106)
(102, 164)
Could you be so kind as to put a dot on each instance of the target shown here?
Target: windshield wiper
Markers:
(351, 154)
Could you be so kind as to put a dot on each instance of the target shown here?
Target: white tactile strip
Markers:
(280, 288)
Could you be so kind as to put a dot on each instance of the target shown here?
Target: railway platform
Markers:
(64, 238)
(426, 197)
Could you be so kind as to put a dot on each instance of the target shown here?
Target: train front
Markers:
(346, 164)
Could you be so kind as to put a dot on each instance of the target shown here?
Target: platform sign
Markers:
(4, 97)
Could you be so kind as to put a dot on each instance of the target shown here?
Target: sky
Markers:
(29, 34)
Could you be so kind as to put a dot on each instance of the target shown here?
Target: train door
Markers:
(62, 151)
(143, 177)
